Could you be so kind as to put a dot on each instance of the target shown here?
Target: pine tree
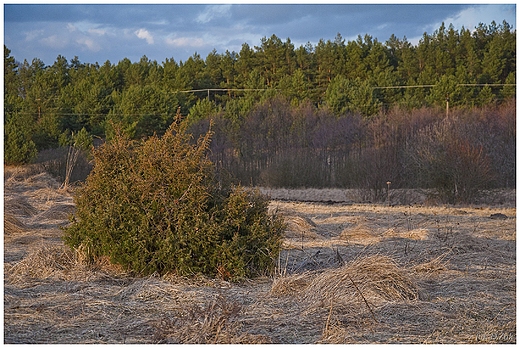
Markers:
(18, 145)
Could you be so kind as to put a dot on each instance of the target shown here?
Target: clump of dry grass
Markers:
(290, 285)
(20, 173)
(434, 266)
(60, 263)
(13, 226)
(18, 205)
(414, 234)
(376, 278)
(214, 323)
(359, 234)
(42, 263)
(300, 227)
(56, 212)
(353, 291)
(18, 179)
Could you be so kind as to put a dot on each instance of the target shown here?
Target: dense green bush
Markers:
(156, 206)
(18, 145)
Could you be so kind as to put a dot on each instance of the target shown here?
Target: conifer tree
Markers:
(156, 206)
(19, 148)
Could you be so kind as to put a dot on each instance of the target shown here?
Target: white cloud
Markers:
(212, 12)
(86, 27)
(159, 22)
(33, 34)
(99, 32)
(89, 43)
(54, 41)
(471, 17)
(185, 42)
(145, 34)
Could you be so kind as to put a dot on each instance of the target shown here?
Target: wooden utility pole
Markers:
(447, 105)
(388, 191)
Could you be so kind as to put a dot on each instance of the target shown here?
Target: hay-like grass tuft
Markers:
(56, 212)
(418, 234)
(376, 278)
(42, 263)
(432, 267)
(213, 323)
(299, 227)
(19, 206)
(290, 285)
(13, 226)
(58, 262)
(359, 234)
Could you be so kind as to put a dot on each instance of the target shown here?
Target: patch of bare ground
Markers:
(349, 273)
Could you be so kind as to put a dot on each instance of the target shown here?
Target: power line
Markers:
(261, 89)
(459, 84)
(375, 87)
(226, 89)
(487, 84)
(416, 86)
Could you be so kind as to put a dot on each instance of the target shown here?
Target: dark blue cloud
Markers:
(116, 15)
(312, 22)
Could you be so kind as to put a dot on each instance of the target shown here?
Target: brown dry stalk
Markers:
(328, 319)
(363, 297)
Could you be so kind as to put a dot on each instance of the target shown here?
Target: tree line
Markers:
(278, 106)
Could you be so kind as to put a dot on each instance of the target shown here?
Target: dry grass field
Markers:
(349, 273)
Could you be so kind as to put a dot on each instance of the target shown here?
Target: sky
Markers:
(97, 32)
